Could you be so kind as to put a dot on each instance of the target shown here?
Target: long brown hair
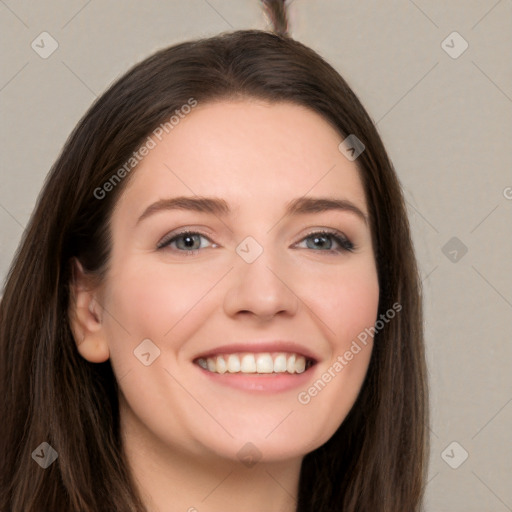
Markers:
(377, 459)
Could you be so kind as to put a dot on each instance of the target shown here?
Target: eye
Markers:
(325, 240)
(190, 242)
(187, 241)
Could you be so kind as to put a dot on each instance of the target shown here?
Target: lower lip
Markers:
(269, 382)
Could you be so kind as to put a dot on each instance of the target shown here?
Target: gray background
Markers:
(445, 121)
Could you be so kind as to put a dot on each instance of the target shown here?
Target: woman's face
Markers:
(268, 290)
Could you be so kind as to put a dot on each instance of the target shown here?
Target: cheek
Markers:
(346, 304)
(345, 300)
(151, 302)
(147, 301)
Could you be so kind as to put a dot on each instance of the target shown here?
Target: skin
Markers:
(181, 432)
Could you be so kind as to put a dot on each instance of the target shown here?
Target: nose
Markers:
(261, 289)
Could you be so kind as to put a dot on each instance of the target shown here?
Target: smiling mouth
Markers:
(256, 363)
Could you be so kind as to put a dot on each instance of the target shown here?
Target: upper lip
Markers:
(259, 347)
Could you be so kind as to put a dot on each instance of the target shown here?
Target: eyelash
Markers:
(345, 244)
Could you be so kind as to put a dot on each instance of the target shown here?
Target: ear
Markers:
(86, 315)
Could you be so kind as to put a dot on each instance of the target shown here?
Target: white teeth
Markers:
(300, 364)
(233, 364)
(280, 363)
(264, 363)
(248, 364)
(221, 365)
(261, 363)
(211, 364)
(290, 364)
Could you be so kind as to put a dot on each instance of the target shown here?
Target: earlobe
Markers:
(94, 350)
(85, 317)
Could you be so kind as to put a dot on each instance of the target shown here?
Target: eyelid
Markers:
(183, 231)
(345, 243)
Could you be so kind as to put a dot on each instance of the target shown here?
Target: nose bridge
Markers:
(258, 283)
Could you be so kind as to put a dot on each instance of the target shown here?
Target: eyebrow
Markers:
(217, 206)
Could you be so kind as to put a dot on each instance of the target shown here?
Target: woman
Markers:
(216, 304)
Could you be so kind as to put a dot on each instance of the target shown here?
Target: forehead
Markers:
(246, 150)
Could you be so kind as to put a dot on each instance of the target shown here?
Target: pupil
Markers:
(320, 240)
